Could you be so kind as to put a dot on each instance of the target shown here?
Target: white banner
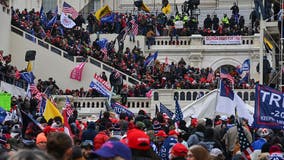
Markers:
(66, 22)
(14, 90)
(179, 24)
(223, 40)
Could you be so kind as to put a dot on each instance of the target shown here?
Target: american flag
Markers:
(33, 89)
(68, 107)
(164, 109)
(245, 145)
(67, 9)
(178, 113)
(104, 50)
(134, 28)
(224, 74)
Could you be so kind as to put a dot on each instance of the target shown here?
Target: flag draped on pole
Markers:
(151, 59)
(178, 112)
(68, 9)
(76, 72)
(53, 20)
(102, 12)
(134, 27)
(164, 109)
(245, 145)
(42, 16)
(225, 99)
(66, 21)
(224, 74)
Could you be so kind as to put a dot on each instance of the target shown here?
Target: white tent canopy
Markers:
(205, 107)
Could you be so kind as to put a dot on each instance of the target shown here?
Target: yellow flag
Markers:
(29, 66)
(51, 111)
(268, 43)
(167, 9)
(102, 12)
(145, 8)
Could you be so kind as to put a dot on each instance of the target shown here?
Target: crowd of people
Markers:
(132, 137)
(77, 42)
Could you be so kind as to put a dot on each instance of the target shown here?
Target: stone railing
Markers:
(75, 59)
(198, 40)
(88, 106)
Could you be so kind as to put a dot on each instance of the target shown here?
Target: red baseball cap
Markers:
(173, 132)
(137, 139)
(179, 150)
(161, 133)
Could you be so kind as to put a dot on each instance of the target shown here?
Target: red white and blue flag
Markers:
(68, 9)
(224, 74)
(101, 86)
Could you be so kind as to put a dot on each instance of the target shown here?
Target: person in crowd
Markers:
(169, 142)
(150, 35)
(41, 141)
(197, 136)
(207, 22)
(139, 143)
(90, 132)
(178, 152)
(197, 152)
(115, 150)
(264, 137)
(102, 136)
(30, 154)
(59, 145)
(230, 137)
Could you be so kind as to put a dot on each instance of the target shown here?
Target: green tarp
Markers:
(5, 101)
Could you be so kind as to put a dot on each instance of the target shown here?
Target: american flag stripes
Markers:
(245, 145)
(68, 107)
(134, 28)
(68, 9)
(224, 74)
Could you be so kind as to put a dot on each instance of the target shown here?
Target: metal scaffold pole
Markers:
(281, 46)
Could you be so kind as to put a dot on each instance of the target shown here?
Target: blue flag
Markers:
(43, 18)
(28, 77)
(164, 109)
(226, 90)
(108, 19)
(268, 108)
(245, 79)
(151, 59)
(102, 42)
(178, 113)
(53, 19)
(246, 65)
(119, 108)
(3, 114)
